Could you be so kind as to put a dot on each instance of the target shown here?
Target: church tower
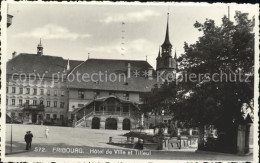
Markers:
(165, 62)
(40, 48)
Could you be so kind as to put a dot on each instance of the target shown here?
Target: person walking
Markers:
(46, 132)
(30, 139)
(26, 138)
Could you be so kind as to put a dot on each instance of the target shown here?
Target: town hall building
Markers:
(110, 98)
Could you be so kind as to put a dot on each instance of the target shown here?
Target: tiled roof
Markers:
(108, 66)
(32, 63)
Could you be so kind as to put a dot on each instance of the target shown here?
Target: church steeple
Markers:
(167, 46)
(165, 60)
(40, 48)
(166, 64)
(167, 38)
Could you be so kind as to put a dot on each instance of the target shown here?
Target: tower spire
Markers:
(167, 38)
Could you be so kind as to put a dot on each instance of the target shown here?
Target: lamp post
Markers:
(11, 137)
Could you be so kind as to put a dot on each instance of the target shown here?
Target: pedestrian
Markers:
(30, 139)
(26, 138)
(46, 132)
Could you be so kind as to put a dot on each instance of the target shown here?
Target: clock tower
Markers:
(166, 64)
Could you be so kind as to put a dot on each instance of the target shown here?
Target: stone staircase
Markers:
(82, 121)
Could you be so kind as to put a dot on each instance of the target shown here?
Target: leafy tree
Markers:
(215, 79)
(223, 61)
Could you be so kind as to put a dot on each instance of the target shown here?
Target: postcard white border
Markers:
(46, 159)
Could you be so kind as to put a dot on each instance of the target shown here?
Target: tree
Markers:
(215, 78)
(215, 98)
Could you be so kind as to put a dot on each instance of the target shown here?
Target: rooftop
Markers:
(49, 65)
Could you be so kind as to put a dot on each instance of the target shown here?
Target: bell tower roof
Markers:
(167, 38)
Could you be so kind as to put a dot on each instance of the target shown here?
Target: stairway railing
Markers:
(83, 119)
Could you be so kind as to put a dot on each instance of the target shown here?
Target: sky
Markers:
(108, 30)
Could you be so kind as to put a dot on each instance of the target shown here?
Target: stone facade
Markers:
(23, 93)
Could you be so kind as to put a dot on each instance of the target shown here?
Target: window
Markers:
(13, 101)
(34, 102)
(20, 115)
(13, 89)
(6, 101)
(21, 91)
(81, 94)
(6, 89)
(118, 109)
(48, 116)
(42, 91)
(54, 116)
(35, 91)
(27, 90)
(27, 102)
(126, 96)
(55, 93)
(55, 104)
(61, 117)
(48, 92)
(62, 104)
(48, 103)
(41, 102)
(20, 101)
(62, 93)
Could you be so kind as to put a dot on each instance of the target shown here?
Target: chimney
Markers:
(68, 65)
(129, 70)
(14, 54)
(150, 73)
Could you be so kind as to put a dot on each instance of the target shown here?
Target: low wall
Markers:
(147, 131)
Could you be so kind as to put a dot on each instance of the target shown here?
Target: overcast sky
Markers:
(73, 31)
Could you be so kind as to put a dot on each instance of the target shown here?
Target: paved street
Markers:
(87, 143)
